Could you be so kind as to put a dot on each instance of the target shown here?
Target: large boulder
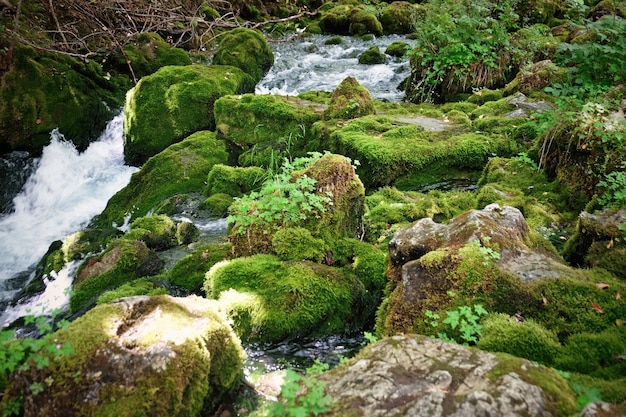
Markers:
(139, 356)
(174, 102)
(44, 91)
(247, 50)
(270, 300)
(491, 257)
(346, 19)
(418, 376)
(148, 52)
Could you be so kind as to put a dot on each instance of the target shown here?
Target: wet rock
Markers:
(140, 356)
(418, 376)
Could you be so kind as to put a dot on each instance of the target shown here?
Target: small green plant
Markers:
(369, 338)
(300, 397)
(524, 158)
(614, 185)
(462, 325)
(488, 253)
(22, 353)
(281, 200)
(317, 368)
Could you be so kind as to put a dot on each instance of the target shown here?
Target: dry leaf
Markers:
(610, 245)
(597, 307)
(602, 285)
(618, 295)
(544, 299)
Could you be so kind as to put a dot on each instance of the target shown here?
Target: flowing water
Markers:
(308, 64)
(65, 190)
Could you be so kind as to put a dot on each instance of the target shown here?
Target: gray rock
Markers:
(417, 376)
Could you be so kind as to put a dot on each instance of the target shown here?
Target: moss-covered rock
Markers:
(140, 356)
(270, 300)
(188, 273)
(398, 49)
(174, 102)
(607, 8)
(389, 149)
(372, 56)
(150, 286)
(122, 261)
(181, 168)
(535, 78)
(217, 204)
(148, 52)
(599, 241)
(344, 19)
(595, 354)
(186, 233)
(233, 181)
(496, 260)
(247, 50)
(44, 91)
(419, 376)
(157, 232)
(399, 17)
(261, 129)
(350, 100)
(327, 200)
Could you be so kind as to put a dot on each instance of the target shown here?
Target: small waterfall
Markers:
(65, 191)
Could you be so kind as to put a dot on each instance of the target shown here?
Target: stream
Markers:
(48, 198)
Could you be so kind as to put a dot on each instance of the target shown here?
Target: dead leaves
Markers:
(597, 307)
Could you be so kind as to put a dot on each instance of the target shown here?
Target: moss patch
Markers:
(247, 50)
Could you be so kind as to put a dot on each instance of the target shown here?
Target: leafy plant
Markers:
(461, 40)
(462, 325)
(369, 338)
(524, 158)
(614, 185)
(22, 353)
(488, 253)
(281, 200)
(300, 397)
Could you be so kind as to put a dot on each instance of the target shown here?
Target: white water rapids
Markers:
(62, 195)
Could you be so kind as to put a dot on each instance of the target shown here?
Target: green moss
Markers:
(334, 40)
(149, 52)
(174, 102)
(398, 49)
(44, 91)
(157, 232)
(389, 206)
(144, 286)
(265, 124)
(336, 20)
(363, 21)
(233, 181)
(217, 204)
(123, 261)
(181, 168)
(525, 339)
(569, 307)
(399, 17)
(595, 354)
(297, 244)
(388, 150)
(483, 96)
(269, 300)
(349, 100)
(188, 273)
(245, 49)
(613, 391)
(372, 56)
(517, 183)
